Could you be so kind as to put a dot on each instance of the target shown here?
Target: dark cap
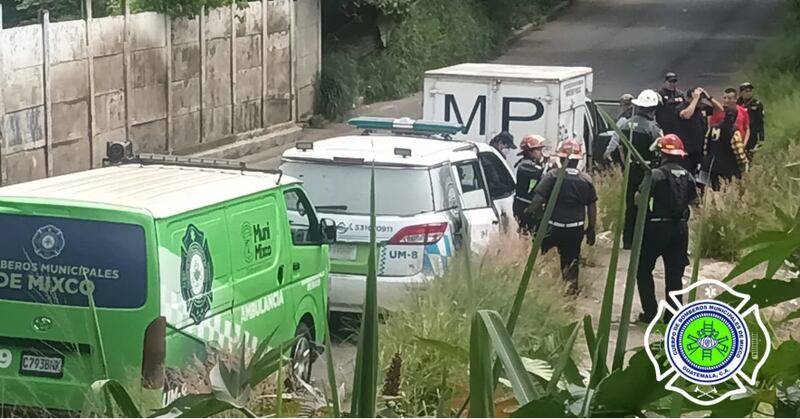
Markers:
(745, 85)
(671, 76)
(504, 138)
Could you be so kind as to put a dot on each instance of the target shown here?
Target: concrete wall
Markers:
(170, 85)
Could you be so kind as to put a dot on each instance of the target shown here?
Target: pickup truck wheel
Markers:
(302, 355)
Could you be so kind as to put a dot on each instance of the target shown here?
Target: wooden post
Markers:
(233, 68)
(264, 52)
(202, 29)
(293, 59)
(168, 60)
(3, 175)
(126, 68)
(90, 63)
(44, 17)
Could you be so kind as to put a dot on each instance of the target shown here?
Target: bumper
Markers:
(347, 291)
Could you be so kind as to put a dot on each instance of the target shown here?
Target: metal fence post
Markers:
(44, 17)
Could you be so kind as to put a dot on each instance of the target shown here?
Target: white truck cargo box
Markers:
(490, 98)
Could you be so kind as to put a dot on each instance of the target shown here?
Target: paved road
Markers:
(630, 44)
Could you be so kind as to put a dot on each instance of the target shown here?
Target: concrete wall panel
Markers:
(23, 88)
(248, 116)
(218, 23)
(185, 61)
(26, 165)
(70, 120)
(148, 31)
(278, 111)
(185, 96)
(305, 101)
(71, 157)
(278, 17)
(67, 41)
(24, 127)
(218, 71)
(70, 81)
(24, 45)
(248, 21)
(108, 35)
(217, 124)
(109, 75)
(109, 111)
(148, 103)
(149, 67)
(248, 52)
(150, 137)
(248, 84)
(185, 30)
(186, 131)
(278, 72)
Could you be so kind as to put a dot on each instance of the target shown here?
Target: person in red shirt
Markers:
(742, 118)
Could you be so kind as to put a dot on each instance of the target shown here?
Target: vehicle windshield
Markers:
(344, 189)
(61, 261)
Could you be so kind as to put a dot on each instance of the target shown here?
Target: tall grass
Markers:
(442, 310)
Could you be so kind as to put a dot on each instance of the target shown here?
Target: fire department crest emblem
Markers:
(197, 273)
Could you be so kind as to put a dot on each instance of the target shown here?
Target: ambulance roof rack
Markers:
(407, 126)
(185, 161)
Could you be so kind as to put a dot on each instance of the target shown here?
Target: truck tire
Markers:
(302, 355)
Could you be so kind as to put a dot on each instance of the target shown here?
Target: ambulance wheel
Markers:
(302, 354)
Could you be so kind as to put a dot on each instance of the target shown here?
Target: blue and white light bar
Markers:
(406, 125)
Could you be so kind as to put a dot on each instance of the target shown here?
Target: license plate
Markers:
(343, 251)
(41, 365)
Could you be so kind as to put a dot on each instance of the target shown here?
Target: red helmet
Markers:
(671, 144)
(532, 142)
(570, 149)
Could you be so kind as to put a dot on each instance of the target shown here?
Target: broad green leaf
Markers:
(446, 348)
(738, 408)
(268, 364)
(563, 358)
(124, 401)
(515, 370)
(588, 333)
(181, 404)
(763, 238)
(337, 407)
(633, 264)
(793, 315)
(481, 377)
(631, 389)
(765, 292)
(365, 389)
(783, 362)
(207, 408)
(778, 252)
(547, 407)
(786, 220)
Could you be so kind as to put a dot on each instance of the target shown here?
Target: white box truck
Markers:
(490, 98)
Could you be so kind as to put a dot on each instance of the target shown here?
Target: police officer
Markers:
(666, 233)
(576, 198)
(502, 142)
(530, 169)
(643, 131)
(755, 110)
(670, 98)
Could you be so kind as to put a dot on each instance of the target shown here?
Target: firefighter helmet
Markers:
(531, 142)
(673, 145)
(647, 99)
(570, 149)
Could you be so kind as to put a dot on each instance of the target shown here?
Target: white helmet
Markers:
(647, 99)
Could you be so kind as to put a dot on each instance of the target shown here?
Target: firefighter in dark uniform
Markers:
(568, 225)
(666, 233)
(670, 98)
(530, 169)
(755, 109)
(643, 131)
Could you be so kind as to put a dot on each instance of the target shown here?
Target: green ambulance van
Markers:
(179, 255)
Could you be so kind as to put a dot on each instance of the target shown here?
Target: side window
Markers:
(501, 183)
(302, 220)
(472, 186)
(445, 193)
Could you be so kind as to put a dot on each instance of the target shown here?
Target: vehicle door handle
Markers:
(280, 275)
(296, 266)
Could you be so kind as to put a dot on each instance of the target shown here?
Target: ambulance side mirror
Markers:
(328, 230)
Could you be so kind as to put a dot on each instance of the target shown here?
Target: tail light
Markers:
(154, 354)
(420, 234)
